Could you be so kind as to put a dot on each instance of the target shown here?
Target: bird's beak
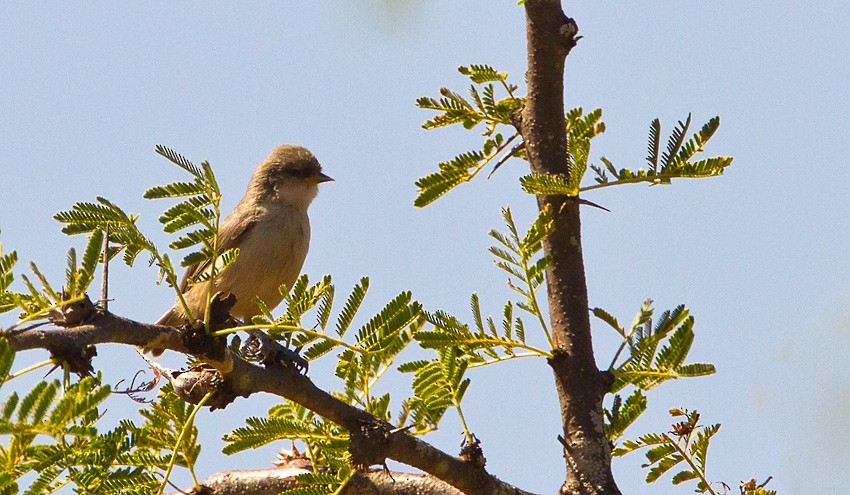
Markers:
(320, 177)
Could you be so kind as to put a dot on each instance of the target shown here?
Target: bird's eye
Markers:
(294, 172)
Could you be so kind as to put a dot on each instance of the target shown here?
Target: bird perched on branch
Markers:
(272, 231)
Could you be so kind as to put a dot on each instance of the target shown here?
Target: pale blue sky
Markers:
(88, 90)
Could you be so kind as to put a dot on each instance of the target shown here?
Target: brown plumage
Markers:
(272, 231)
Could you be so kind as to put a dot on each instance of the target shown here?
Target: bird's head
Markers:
(290, 174)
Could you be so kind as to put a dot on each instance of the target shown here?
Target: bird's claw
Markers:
(269, 352)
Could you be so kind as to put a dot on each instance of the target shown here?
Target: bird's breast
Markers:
(270, 255)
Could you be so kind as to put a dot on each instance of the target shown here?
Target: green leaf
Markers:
(694, 145)
(195, 258)
(699, 449)
(451, 174)
(7, 357)
(304, 297)
(696, 369)
(35, 396)
(325, 305)
(683, 476)
(52, 294)
(476, 312)
(352, 305)
(547, 185)
(622, 415)
(659, 452)
(662, 466)
(609, 319)
(542, 227)
(674, 353)
(484, 107)
(175, 190)
(78, 401)
(202, 216)
(91, 256)
(178, 160)
(674, 143)
(483, 73)
(261, 431)
(654, 143)
(381, 333)
(439, 384)
(189, 239)
(318, 349)
(675, 161)
(7, 262)
(85, 218)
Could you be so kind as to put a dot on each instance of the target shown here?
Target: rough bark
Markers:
(580, 385)
(275, 480)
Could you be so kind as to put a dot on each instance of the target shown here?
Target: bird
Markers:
(270, 227)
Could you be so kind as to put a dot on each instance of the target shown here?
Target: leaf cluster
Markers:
(437, 385)
(655, 353)
(485, 342)
(158, 434)
(105, 216)
(686, 444)
(520, 257)
(326, 444)
(364, 354)
(40, 300)
(197, 214)
(676, 161)
(53, 435)
(376, 343)
(482, 106)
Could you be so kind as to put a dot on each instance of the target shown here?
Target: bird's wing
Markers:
(233, 229)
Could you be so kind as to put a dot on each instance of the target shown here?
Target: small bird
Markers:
(272, 231)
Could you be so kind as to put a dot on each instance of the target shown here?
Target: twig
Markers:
(104, 283)
(507, 156)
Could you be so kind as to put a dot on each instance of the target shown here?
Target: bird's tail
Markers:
(170, 318)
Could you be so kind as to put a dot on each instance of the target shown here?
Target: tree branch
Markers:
(243, 378)
(581, 386)
(275, 480)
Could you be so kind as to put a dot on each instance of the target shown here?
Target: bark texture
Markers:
(580, 385)
(274, 481)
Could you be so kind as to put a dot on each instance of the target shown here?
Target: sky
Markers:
(89, 89)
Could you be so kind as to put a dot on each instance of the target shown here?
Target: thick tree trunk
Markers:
(581, 386)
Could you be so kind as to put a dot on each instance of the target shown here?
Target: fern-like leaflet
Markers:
(482, 107)
(43, 301)
(674, 162)
(656, 353)
(55, 441)
(685, 448)
(437, 385)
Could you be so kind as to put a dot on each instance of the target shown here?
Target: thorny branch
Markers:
(581, 386)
